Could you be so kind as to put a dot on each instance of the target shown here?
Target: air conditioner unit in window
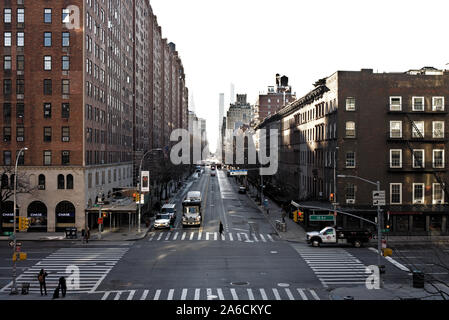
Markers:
(19, 138)
(418, 202)
(350, 201)
(65, 139)
(438, 201)
(41, 187)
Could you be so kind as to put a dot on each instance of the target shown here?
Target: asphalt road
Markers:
(250, 262)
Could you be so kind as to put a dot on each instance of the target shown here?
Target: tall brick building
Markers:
(360, 124)
(88, 87)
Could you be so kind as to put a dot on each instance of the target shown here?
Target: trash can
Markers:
(71, 233)
(418, 279)
(25, 288)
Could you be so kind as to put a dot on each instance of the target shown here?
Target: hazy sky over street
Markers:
(247, 42)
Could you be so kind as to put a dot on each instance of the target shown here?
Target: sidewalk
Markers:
(388, 292)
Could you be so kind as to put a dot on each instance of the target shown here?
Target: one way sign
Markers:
(379, 198)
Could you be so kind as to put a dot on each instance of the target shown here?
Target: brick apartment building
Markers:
(360, 123)
(86, 100)
(274, 99)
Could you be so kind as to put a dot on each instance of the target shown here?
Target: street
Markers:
(249, 262)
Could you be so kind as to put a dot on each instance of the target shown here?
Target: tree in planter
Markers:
(7, 188)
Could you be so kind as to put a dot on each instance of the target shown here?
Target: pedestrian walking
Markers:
(83, 235)
(42, 284)
(63, 286)
(220, 229)
(87, 235)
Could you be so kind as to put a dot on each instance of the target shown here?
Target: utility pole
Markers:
(335, 186)
(379, 230)
(99, 213)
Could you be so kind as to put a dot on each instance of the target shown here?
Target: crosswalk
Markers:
(211, 294)
(334, 266)
(84, 269)
(211, 236)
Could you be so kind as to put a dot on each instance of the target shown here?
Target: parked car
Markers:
(162, 221)
(242, 189)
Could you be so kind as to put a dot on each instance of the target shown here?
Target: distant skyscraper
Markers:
(232, 99)
(221, 110)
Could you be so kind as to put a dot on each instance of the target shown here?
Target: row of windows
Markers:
(48, 90)
(418, 129)
(418, 193)
(7, 39)
(319, 111)
(111, 174)
(20, 111)
(63, 182)
(418, 103)
(20, 134)
(20, 63)
(96, 92)
(418, 158)
(7, 15)
(47, 158)
(95, 114)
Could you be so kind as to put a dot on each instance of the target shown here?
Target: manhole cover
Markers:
(283, 285)
(210, 297)
(273, 252)
(242, 283)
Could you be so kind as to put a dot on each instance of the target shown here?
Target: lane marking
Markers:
(269, 237)
(261, 236)
(131, 294)
(117, 296)
(191, 235)
(170, 294)
(234, 294)
(182, 238)
(184, 294)
(289, 294)
(158, 238)
(199, 235)
(276, 294)
(106, 294)
(144, 295)
(220, 294)
(263, 294)
(158, 293)
(197, 293)
(174, 237)
(314, 294)
(166, 238)
(230, 236)
(302, 294)
(250, 294)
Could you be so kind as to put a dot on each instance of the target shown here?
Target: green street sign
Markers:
(316, 217)
(385, 230)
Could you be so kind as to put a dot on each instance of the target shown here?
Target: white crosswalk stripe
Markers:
(210, 236)
(93, 265)
(211, 294)
(334, 266)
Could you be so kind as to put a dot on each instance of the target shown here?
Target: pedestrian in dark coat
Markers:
(221, 229)
(87, 235)
(41, 278)
(62, 286)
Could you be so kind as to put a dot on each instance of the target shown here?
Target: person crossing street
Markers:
(220, 229)
(42, 284)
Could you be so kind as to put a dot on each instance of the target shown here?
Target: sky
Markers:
(246, 42)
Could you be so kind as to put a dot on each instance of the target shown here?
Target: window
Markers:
(7, 87)
(350, 104)
(7, 112)
(350, 192)
(418, 193)
(438, 129)
(20, 157)
(7, 39)
(41, 182)
(66, 39)
(61, 181)
(20, 134)
(47, 158)
(437, 103)
(47, 110)
(21, 15)
(438, 158)
(65, 112)
(20, 39)
(7, 63)
(47, 15)
(396, 158)
(65, 16)
(395, 193)
(20, 111)
(6, 134)
(437, 194)
(20, 63)
(65, 63)
(65, 157)
(69, 182)
(47, 134)
(47, 63)
(395, 103)
(418, 158)
(65, 86)
(7, 158)
(20, 86)
(418, 129)
(350, 129)
(47, 87)
(47, 39)
(65, 134)
(7, 13)
(395, 129)
(350, 159)
(418, 103)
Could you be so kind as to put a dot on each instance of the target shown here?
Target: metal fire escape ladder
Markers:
(436, 175)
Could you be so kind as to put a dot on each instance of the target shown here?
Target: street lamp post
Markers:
(140, 185)
(335, 185)
(14, 289)
(379, 218)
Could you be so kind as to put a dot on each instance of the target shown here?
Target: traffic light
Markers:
(332, 197)
(105, 214)
(135, 197)
(20, 223)
(26, 223)
(300, 216)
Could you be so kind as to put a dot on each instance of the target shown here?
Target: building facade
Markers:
(83, 91)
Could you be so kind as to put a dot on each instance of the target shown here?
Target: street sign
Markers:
(379, 198)
(239, 172)
(315, 217)
(145, 185)
(100, 220)
(18, 244)
(385, 230)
